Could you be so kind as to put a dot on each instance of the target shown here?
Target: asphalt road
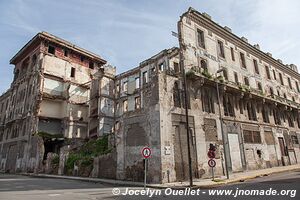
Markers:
(29, 188)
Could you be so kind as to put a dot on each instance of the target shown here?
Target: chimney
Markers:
(279, 61)
(206, 15)
(227, 29)
(244, 39)
(257, 46)
(269, 54)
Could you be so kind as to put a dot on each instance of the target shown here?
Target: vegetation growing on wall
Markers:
(84, 156)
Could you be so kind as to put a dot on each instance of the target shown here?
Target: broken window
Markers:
(66, 52)
(290, 120)
(200, 36)
(203, 65)
(137, 101)
(137, 82)
(232, 54)
(265, 114)
(221, 49)
(176, 67)
(125, 106)
(208, 100)
(51, 49)
(225, 74)
(124, 88)
(176, 95)
(271, 92)
(228, 106)
(259, 87)
(236, 78)
(162, 66)
(255, 66)
(267, 72)
(251, 111)
(91, 65)
(72, 75)
(294, 139)
(281, 79)
(243, 61)
(290, 83)
(276, 117)
(145, 77)
(252, 137)
(82, 58)
(246, 81)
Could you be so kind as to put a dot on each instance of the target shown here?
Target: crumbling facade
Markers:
(47, 101)
(61, 91)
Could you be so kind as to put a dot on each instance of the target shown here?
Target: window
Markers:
(176, 95)
(221, 49)
(232, 54)
(228, 106)
(236, 78)
(91, 65)
(125, 106)
(176, 67)
(281, 79)
(137, 102)
(137, 82)
(246, 81)
(243, 61)
(203, 65)
(225, 74)
(82, 58)
(276, 117)
(294, 139)
(255, 66)
(251, 111)
(271, 91)
(265, 114)
(290, 121)
(284, 95)
(33, 59)
(252, 137)
(259, 87)
(278, 92)
(274, 74)
(290, 83)
(145, 77)
(268, 72)
(124, 88)
(208, 100)
(73, 70)
(51, 49)
(66, 53)
(162, 66)
(297, 86)
(200, 36)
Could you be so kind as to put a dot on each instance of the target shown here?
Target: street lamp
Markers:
(220, 117)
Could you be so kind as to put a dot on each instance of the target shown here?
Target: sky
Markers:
(126, 32)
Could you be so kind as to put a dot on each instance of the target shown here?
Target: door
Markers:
(235, 152)
(11, 159)
(283, 151)
(181, 154)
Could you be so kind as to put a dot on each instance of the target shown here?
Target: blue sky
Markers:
(126, 32)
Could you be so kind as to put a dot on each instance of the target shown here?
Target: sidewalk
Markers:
(198, 183)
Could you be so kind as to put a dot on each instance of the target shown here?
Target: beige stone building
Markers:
(47, 101)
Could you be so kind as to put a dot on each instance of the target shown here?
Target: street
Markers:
(30, 188)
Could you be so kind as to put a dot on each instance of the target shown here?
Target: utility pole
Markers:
(186, 102)
(222, 129)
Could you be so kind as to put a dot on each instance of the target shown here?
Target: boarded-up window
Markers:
(269, 138)
(252, 137)
(210, 129)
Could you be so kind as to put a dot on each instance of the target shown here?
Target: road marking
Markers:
(53, 195)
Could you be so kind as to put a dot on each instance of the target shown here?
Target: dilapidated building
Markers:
(47, 101)
(61, 91)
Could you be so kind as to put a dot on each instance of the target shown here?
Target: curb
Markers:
(140, 184)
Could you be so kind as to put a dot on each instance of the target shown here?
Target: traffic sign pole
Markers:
(145, 175)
